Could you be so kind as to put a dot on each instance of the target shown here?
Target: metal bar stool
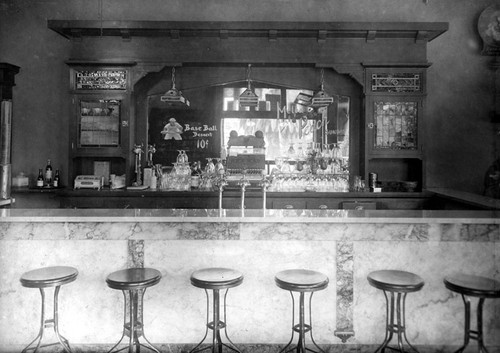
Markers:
(400, 283)
(42, 278)
(216, 279)
(301, 281)
(473, 286)
(133, 282)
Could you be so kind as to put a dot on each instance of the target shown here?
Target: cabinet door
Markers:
(322, 204)
(99, 123)
(393, 126)
(288, 204)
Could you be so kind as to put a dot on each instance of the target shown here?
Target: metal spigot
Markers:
(265, 182)
(221, 183)
(243, 183)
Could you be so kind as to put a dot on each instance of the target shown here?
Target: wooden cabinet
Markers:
(100, 126)
(394, 119)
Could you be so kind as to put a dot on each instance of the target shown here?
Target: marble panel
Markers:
(470, 232)
(89, 311)
(344, 285)
(258, 311)
(338, 231)
(434, 314)
(186, 230)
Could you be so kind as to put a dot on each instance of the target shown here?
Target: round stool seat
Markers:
(300, 280)
(475, 286)
(49, 277)
(395, 281)
(216, 278)
(133, 278)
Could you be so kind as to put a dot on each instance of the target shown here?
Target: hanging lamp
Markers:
(321, 98)
(173, 95)
(303, 99)
(248, 98)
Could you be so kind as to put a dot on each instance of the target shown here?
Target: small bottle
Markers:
(39, 180)
(223, 153)
(195, 170)
(154, 181)
(56, 179)
(195, 175)
(48, 174)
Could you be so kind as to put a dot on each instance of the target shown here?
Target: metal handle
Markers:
(289, 207)
(323, 207)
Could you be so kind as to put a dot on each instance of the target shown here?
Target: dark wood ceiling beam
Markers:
(320, 31)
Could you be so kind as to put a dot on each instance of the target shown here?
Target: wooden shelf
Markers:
(419, 31)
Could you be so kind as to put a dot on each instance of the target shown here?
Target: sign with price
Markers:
(191, 130)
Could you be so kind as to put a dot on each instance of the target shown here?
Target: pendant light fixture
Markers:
(321, 98)
(248, 98)
(173, 95)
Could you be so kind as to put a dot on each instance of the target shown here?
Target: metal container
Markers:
(5, 171)
(5, 131)
(372, 180)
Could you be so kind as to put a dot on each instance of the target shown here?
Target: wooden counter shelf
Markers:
(232, 199)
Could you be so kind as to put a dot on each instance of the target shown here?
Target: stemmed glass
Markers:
(182, 157)
(219, 168)
(291, 151)
(279, 163)
(210, 167)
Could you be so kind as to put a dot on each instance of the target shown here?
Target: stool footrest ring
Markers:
(306, 328)
(220, 325)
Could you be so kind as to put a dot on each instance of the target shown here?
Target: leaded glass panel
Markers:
(395, 125)
(396, 82)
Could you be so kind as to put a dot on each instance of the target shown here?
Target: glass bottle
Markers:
(39, 180)
(56, 179)
(48, 173)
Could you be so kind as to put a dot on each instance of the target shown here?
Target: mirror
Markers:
(289, 126)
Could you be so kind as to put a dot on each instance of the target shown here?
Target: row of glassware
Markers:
(303, 182)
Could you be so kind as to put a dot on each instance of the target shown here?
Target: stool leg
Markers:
(404, 323)
(480, 343)
(216, 325)
(466, 324)
(301, 345)
(64, 342)
(216, 340)
(141, 318)
(234, 348)
(395, 324)
(302, 327)
(195, 349)
(134, 328)
(124, 322)
(471, 334)
(46, 323)
(389, 319)
(293, 325)
(311, 324)
(42, 326)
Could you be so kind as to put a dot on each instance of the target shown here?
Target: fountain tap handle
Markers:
(221, 183)
(265, 182)
(243, 182)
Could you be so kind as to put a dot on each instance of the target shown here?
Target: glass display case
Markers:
(99, 128)
(99, 123)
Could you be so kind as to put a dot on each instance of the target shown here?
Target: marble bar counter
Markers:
(346, 245)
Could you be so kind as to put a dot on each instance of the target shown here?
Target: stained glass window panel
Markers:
(395, 125)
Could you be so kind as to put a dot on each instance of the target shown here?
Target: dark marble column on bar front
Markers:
(345, 292)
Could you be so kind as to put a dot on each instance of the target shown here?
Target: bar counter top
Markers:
(250, 216)
(343, 244)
